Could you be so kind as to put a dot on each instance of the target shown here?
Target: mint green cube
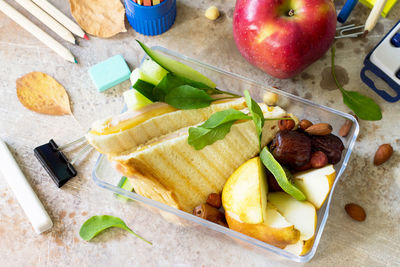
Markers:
(109, 73)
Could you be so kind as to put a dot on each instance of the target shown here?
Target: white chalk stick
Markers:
(24, 193)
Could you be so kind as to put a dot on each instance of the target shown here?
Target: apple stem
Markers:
(291, 13)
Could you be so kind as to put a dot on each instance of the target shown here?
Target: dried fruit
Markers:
(286, 124)
(319, 129)
(355, 211)
(291, 148)
(210, 213)
(345, 129)
(214, 200)
(383, 153)
(273, 185)
(330, 144)
(318, 159)
(41, 93)
(304, 124)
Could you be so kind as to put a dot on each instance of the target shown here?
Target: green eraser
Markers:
(109, 73)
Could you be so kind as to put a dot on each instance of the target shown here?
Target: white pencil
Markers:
(374, 15)
(47, 20)
(36, 31)
(60, 17)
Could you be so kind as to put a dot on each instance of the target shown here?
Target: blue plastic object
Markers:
(369, 65)
(396, 40)
(109, 73)
(346, 10)
(151, 20)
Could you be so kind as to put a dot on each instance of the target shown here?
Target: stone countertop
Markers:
(345, 242)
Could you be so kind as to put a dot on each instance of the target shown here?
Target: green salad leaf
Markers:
(215, 128)
(364, 107)
(188, 97)
(256, 114)
(96, 224)
(282, 175)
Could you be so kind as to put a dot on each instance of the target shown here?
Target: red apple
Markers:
(283, 37)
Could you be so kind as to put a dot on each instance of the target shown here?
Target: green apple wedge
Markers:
(302, 214)
(244, 198)
(316, 184)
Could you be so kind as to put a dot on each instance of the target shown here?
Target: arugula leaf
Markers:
(224, 116)
(256, 114)
(96, 224)
(169, 82)
(188, 97)
(364, 107)
(215, 128)
(200, 137)
(281, 174)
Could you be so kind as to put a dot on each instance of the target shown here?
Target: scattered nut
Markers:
(355, 211)
(214, 200)
(209, 213)
(270, 98)
(212, 13)
(304, 124)
(345, 129)
(383, 153)
(318, 159)
(286, 125)
(319, 129)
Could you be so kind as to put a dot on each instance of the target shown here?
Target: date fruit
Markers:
(291, 148)
(330, 144)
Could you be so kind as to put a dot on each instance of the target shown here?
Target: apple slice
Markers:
(301, 214)
(300, 248)
(245, 192)
(244, 199)
(275, 230)
(316, 184)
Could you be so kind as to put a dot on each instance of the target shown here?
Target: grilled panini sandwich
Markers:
(130, 129)
(170, 170)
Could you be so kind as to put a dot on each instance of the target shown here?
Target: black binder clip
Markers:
(55, 162)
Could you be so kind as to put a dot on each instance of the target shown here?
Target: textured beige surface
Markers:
(374, 242)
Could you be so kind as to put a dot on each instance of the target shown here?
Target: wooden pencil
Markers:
(25, 23)
(374, 16)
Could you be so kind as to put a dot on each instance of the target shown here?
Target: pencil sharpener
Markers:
(384, 62)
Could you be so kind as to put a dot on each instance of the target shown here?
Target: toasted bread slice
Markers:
(171, 166)
(131, 129)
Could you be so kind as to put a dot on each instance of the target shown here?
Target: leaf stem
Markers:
(333, 70)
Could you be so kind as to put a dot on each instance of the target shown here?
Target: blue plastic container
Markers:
(151, 20)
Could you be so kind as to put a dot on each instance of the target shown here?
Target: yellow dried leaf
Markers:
(41, 93)
(99, 17)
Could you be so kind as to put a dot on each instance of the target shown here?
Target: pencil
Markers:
(61, 18)
(47, 20)
(36, 31)
(374, 15)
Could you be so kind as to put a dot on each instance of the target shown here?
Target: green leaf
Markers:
(224, 116)
(169, 82)
(96, 224)
(188, 97)
(145, 89)
(200, 137)
(364, 107)
(256, 114)
(282, 177)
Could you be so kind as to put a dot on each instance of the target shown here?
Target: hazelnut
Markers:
(214, 200)
(286, 125)
(212, 13)
(304, 124)
(318, 159)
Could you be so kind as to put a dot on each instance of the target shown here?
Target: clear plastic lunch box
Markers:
(106, 177)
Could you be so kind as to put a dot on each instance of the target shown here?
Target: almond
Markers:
(345, 129)
(383, 153)
(355, 211)
(319, 129)
(304, 124)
